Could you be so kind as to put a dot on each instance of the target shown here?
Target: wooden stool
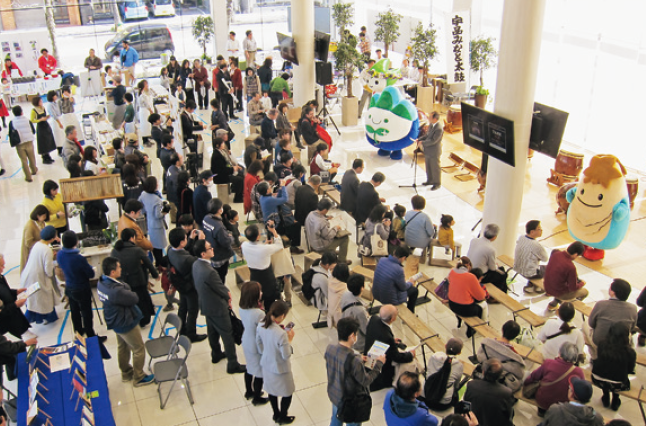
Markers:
(223, 191)
(249, 139)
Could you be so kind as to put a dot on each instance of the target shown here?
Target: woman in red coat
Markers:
(202, 84)
(251, 179)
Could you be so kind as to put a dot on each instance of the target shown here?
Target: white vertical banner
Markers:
(458, 25)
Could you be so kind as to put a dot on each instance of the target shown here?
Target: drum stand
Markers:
(326, 113)
(414, 166)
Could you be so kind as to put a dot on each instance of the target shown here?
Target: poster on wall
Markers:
(458, 37)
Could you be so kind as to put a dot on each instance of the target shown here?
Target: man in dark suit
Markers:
(188, 125)
(368, 197)
(225, 90)
(202, 196)
(350, 186)
(379, 329)
(306, 200)
(215, 301)
(431, 142)
(491, 402)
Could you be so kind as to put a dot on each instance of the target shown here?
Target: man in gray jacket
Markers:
(431, 142)
(215, 302)
(323, 237)
(69, 145)
(574, 412)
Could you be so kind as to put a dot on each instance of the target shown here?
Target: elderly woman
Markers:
(554, 377)
(40, 269)
(225, 171)
(155, 211)
(251, 314)
(12, 320)
(31, 233)
(466, 295)
(379, 224)
(54, 203)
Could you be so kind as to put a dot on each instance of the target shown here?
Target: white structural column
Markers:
(520, 41)
(219, 16)
(303, 32)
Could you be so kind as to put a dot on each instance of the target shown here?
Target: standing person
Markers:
(274, 345)
(69, 117)
(185, 80)
(9, 67)
(364, 77)
(251, 314)
(561, 280)
(122, 315)
(44, 135)
(171, 179)
(641, 318)
(118, 94)
(350, 186)
(346, 375)
(528, 254)
(132, 213)
(129, 115)
(574, 412)
(268, 129)
(12, 320)
(236, 80)
(491, 402)
(276, 88)
(46, 62)
(146, 108)
(71, 146)
(483, 256)
(251, 178)
(258, 255)
(202, 196)
(31, 233)
(129, 58)
(54, 203)
(558, 331)
(41, 306)
(218, 237)
(402, 407)
(233, 46)
(202, 84)
(352, 306)
(136, 266)
(368, 197)
(182, 261)
(92, 62)
(225, 90)
(390, 286)
(78, 274)
(224, 171)
(218, 120)
(250, 47)
(431, 143)
(155, 209)
(215, 302)
(25, 144)
(265, 74)
(56, 116)
(174, 70)
(184, 196)
(165, 153)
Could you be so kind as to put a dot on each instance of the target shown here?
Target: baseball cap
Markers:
(582, 389)
(206, 174)
(48, 233)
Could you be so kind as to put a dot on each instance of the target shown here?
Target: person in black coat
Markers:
(8, 352)
(202, 196)
(165, 155)
(350, 186)
(218, 121)
(225, 90)
(133, 260)
(12, 319)
(188, 125)
(306, 200)
(379, 329)
(223, 170)
(156, 130)
(491, 402)
(368, 197)
(253, 152)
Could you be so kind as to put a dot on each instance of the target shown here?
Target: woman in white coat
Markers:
(274, 345)
(251, 314)
(56, 119)
(40, 269)
(145, 109)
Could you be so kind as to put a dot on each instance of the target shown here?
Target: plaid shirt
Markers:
(255, 203)
(335, 357)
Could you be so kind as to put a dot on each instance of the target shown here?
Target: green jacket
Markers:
(278, 85)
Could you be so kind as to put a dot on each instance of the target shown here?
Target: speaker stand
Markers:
(326, 114)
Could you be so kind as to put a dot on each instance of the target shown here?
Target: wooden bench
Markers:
(517, 308)
(369, 262)
(368, 274)
(457, 162)
(471, 172)
(442, 263)
(309, 259)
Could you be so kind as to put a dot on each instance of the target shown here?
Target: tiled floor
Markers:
(218, 396)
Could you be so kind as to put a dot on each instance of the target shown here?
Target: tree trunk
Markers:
(116, 14)
(349, 83)
(481, 77)
(385, 49)
(229, 10)
(51, 26)
(425, 76)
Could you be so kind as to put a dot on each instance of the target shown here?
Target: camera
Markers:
(271, 225)
(165, 207)
(462, 407)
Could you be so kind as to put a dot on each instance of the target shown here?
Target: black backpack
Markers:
(308, 290)
(435, 386)
(14, 136)
(181, 283)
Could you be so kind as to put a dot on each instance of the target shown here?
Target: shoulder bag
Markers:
(355, 407)
(529, 391)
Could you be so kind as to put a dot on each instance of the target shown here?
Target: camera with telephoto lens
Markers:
(165, 207)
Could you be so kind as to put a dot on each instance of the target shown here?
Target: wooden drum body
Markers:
(454, 115)
(567, 168)
(561, 201)
(633, 188)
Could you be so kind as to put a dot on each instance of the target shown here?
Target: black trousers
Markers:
(237, 187)
(276, 97)
(190, 94)
(497, 278)
(188, 312)
(413, 292)
(222, 272)
(267, 281)
(145, 304)
(202, 100)
(220, 328)
(81, 311)
(227, 102)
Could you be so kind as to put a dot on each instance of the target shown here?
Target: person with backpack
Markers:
(21, 137)
(180, 269)
(258, 257)
(444, 373)
(315, 281)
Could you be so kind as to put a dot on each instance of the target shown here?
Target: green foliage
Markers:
(203, 30)
(387, 28)
(347, 56)
(483, 55)
(343, 15)
(423, 47)
(482, 91)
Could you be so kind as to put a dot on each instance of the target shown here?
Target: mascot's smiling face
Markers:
(382, 76)
(390, 118)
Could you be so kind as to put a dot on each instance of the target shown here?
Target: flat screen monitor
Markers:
(287, 48)
(548, 127)
(321, 46)
(489, 133)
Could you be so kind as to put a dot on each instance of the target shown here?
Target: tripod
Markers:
(326, 113)
(414, 165)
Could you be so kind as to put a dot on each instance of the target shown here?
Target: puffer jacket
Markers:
(389, 285)
(119, 305)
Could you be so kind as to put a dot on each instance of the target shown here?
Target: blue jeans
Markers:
(337, 422)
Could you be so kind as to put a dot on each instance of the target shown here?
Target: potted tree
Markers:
(203, 31)
(483, 55)
(424, 49)
(387, 28)
(348, 59)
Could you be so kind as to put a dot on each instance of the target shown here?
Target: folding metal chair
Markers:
(165, 343)
(172, 370)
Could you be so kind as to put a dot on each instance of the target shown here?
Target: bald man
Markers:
(379, 329)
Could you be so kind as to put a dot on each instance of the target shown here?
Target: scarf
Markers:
(76, 141)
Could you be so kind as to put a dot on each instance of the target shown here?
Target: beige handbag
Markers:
(379, 246)
(282, 264)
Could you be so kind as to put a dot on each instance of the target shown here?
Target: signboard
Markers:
(459, 26)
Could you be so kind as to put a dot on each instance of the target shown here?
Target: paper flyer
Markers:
(378, 348)
(59, 362)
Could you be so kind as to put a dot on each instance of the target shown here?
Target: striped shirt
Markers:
(527, 256)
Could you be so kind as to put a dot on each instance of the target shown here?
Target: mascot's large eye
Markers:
(376, 81)
(600, 197)
(386, 120)
(582, 191)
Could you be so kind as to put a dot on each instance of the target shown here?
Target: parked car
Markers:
(150, 40)
(135, 9)
(162, 8)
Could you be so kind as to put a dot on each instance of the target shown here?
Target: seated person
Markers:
(320, 164)
(256, 208)
(257, 151)
(419, 231)
(402, 407)
(377, 223)
(466, 294)
(575, 412)
(528, 255)
(483, 256)
(323, 237)
(561, 280)
(322, 272)
(284, 144)
(453, 348)
(224, 171)
(298, 172)
(379, 328)
(491, 402)
(389, 285)
(350, 186)
(255, 110)
(284, 169)
(502, 349)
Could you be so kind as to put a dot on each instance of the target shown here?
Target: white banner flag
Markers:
(458, 25)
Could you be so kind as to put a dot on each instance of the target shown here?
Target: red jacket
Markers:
(215, 78)
(560, 274)
(201, 77)
(249, 182)
(6, 72)
(236, 79)
(47, 64)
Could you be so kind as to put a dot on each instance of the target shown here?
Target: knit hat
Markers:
(453, 346)
(48, 233)
(582, 389)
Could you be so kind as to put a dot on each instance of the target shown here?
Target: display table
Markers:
(63, 410)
